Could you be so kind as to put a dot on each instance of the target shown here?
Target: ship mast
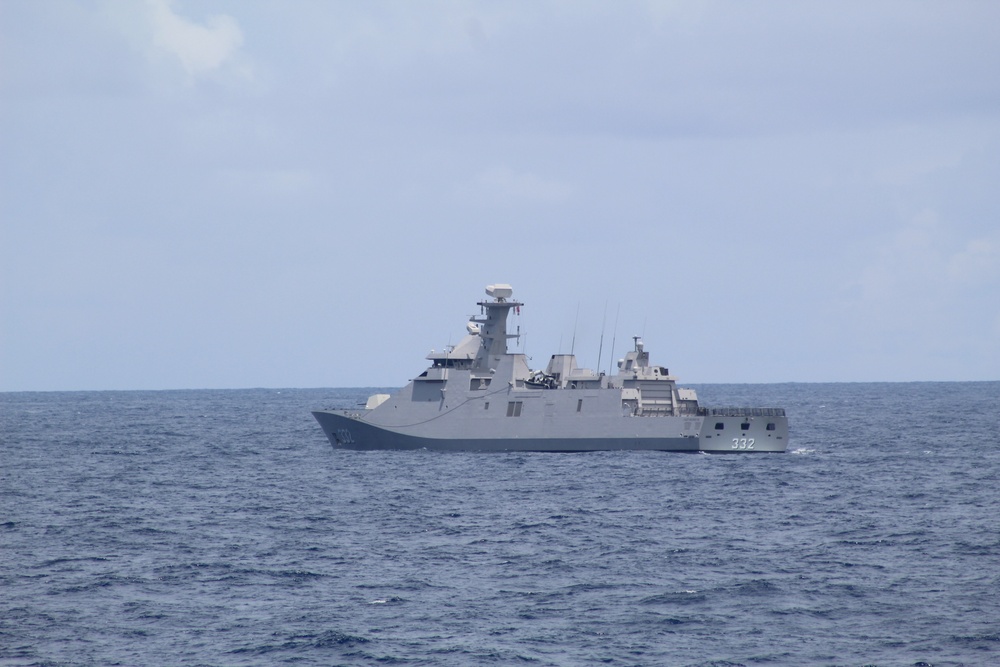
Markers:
(493, 327)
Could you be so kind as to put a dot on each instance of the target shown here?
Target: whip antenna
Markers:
(614, 337)
(600, 348)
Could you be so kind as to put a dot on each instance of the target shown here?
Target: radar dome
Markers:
(500, 291)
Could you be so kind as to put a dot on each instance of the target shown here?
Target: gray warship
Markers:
(478, 396)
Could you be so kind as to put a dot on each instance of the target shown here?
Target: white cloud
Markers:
(199, 48)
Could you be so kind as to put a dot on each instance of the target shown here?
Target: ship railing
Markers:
(744, 412)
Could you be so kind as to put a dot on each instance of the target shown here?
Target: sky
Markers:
(230, 194)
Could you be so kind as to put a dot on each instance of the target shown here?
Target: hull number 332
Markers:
(742, 443)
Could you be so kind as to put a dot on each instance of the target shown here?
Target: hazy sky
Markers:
(306, 194)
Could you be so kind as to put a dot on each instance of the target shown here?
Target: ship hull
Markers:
(350, 430)
(479, 396)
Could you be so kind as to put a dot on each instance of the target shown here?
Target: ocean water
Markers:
(221, 528)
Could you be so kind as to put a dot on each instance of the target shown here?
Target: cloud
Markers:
(928, 292)
(976, 264)
(922, 306)
(905, 263)
(199, 48)
(772, 160)
(268, 182)
(925, 258)
(913, 170)
(506, 183)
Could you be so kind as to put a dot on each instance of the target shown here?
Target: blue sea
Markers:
(221, 528)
